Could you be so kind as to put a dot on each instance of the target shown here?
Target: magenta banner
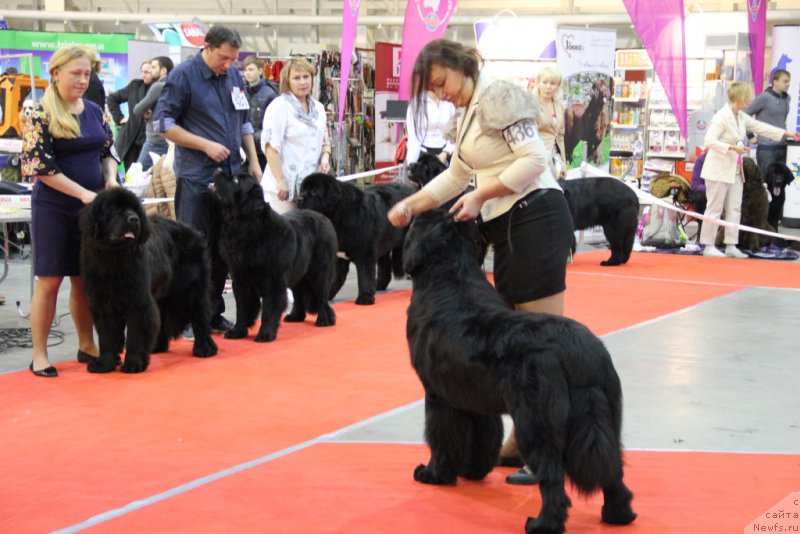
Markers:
(659, 24)
(349, 23)
(425, 21)
(757, 25)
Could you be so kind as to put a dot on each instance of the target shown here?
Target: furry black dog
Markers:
(426, 168)
(267, 252)
(365, 235)
(755, 208)
(609, 203)
(149, 274)
(477, 359)
(778, 176)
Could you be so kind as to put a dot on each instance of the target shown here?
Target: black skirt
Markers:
(532, 243)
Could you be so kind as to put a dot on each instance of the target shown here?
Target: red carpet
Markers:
(369, 488)
(83, 444)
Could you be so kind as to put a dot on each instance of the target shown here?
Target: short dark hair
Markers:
(252, 60)
(217, 36)
(777, 73)
(447, 54)
(164, 63)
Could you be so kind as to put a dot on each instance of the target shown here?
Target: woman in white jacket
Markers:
(722, 172)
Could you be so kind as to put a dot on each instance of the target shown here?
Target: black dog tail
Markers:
(593, 457)
(397, 263)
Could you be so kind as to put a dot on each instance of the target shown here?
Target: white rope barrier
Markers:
(650, 199)
(365, 174)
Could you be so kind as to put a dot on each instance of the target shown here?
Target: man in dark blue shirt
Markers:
(203, 110)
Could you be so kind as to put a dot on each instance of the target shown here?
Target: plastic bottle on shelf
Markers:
(638, 145)
(618, 87)
(636, 119)
(625, 89)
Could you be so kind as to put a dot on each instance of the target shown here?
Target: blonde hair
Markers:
(63, 124)
(297, 63)
(548, 73)
(740, 92)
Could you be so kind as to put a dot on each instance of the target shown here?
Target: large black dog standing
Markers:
(365, 235)
(477, 360)
(267, 252)
(609, 203)
(149, 274)
(777, 178)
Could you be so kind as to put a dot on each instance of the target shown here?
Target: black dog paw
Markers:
(295, 317)
(617, 515)
(534, 525)
(325, 321)
(237, 332)
(205, 349)
(365, 300)
(132, 367)
(424, 474)
(98, 365)
(265, 337)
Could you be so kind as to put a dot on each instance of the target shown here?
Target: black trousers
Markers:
(196, 208)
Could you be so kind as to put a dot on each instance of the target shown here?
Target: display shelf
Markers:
(632, 76)
(620, 99)
(663, 129)
(670, 155)
(626, 126)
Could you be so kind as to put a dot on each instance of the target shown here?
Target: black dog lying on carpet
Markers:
(777, 178)
(755, 208)
(609, 203)
(149, 274)
(267, 252)
(477, 360)
(365, 235)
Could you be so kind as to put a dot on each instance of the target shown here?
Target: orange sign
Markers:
(633, 59)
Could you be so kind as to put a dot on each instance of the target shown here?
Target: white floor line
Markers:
(147, 501)
(677, 281)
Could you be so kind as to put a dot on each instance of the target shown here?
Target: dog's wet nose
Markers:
(133, 218)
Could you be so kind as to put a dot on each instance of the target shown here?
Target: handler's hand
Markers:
(87, 196)
(467, 207)
(123, 121)
(283, 191)
(740, 150)
(216, 151)
(399, 215)
(325, 165)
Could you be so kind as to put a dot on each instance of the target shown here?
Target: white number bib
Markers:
(239, 99)
(520, 134)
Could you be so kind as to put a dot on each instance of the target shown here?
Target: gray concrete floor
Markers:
(719, 376)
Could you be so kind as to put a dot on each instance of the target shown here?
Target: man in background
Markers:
(160, 67)
(131, 129)
(259, 95)
(772, 107)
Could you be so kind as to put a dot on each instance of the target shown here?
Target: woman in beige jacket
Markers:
(551, 116)
(722, 171)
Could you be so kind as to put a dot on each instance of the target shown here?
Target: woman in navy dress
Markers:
(67, 149)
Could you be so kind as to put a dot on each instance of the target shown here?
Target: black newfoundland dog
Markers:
(365, 235)
(149, 274)
(755, 208)
(777, 178)
(477, 360)
(609, 203)
(267, 252)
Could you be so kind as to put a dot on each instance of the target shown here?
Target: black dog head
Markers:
(777, 178)
(321, 193)
(239, 195)
(427, 167)
(436, 242)
(115, 219)
(753, 179)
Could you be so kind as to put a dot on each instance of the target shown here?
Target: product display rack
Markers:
(631, 79)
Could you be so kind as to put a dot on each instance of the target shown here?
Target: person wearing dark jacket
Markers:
(160, 67)
(96, 92)
(259, 95)
(772, 107)
(131, 135)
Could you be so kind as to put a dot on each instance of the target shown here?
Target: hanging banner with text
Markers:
(757, 25)
(660, 26)
(349, 24)
(191, 33)
(585, 58)
(425, 21)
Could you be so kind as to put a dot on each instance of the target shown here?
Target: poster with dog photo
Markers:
(585, 58)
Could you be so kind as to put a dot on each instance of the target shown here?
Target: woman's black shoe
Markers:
(47, 372)
(84, 357)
